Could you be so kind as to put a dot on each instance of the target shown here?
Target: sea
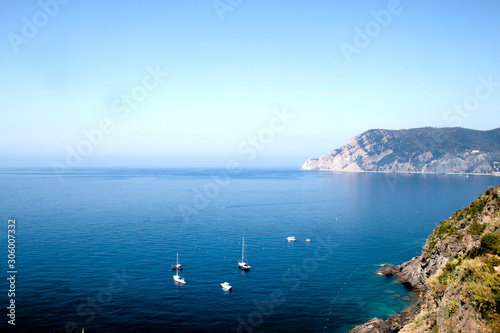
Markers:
(94, 247)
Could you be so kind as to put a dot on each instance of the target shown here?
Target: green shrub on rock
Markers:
(452, 307)
(477, 228)
(490, 243)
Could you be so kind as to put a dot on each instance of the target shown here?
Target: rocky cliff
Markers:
(457, 275)
(419, 150)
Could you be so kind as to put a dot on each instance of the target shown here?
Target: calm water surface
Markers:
(95, 249)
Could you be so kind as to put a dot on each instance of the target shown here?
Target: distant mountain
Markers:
(418, 150)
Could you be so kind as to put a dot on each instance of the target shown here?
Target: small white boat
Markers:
(308, 240)
(177, 278)
(242, 264)
(291, 239)
(226, 286)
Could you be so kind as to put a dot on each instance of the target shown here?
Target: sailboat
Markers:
(242, 264)
(177, 266)
(177, 278)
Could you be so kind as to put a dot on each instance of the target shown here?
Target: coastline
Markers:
(452, 275)
(395, 322)
(496, 174)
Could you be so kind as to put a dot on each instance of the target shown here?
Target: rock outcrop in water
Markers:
(457, 275)
(419, 150)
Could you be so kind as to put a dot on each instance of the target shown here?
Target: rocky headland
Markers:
(457, 275)
(419, 150)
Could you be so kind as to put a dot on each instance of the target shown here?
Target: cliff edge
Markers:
(457, 275)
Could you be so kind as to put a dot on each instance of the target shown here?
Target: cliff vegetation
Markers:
(457, 274)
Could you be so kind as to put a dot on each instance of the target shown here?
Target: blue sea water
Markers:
(95, 250)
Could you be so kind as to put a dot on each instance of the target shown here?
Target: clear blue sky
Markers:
(227, 76)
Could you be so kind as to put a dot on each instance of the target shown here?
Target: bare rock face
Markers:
(434, 315)
(375, 325)
(420, 150)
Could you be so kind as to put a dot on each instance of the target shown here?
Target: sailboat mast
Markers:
(243, 250)
(177, 270)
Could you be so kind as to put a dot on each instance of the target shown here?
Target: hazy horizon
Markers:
(138, 162)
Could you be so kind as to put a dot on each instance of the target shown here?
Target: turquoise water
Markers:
(95, 249)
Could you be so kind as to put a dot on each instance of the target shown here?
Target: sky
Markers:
(201, 83)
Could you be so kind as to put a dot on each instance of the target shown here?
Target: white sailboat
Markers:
(242, 264)
(177, 278)
(177, 266)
